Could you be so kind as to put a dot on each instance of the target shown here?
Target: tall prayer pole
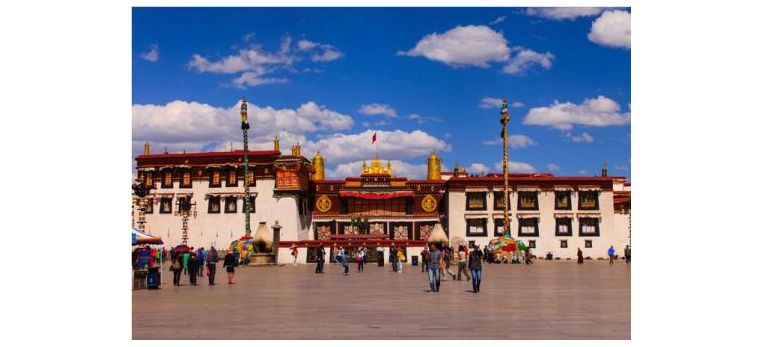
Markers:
(504, 119)
(245, 128)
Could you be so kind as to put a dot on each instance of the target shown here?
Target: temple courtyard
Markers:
(547, 300)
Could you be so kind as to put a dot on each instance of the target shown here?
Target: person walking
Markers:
(400, 258)
(435, 264)
(343, 258)
(360, 258)
(177, 269)
(425, 259)
(475, 265)
(193, 267)
(201, 260)
(393, 258)
(380, 251)
(448, 257)
(612, 254)
(627, 254)
(229, 264)
(320, 259)
(186, 257)
(580, 259)
(462, 262)
(295, 253)
(527, 255)
(211, 264)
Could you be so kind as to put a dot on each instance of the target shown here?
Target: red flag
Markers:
(374, 138)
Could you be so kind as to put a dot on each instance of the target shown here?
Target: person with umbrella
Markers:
(229, 264)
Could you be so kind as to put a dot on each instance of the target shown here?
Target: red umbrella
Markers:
(182, 249)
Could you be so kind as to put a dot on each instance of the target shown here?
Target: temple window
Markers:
(231, 204)
(476, 200)
(529, 227)
(250, 177)
(214, 179)
(165, 205)
(252, 205)
(588, 243)
(563, 200)
(589, 227)
(528, 201)
(149, 178)
(563, 227)
(499, 226)
(588, 200)
(532, 244)
(167, 181)
(499, 201)
(232, 178)
(149, 206)
(476, 227)
(564, 244)
(214, 204)
(186, 182)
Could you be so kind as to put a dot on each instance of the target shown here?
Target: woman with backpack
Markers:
(177, 269)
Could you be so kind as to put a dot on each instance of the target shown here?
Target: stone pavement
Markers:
(547, 300)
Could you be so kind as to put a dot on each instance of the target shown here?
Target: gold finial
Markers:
(276, 143)
(296, 150)
(434, 164)
(147, 148)
(319, 165)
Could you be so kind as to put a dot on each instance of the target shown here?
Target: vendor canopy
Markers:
(376, 196)
(139, 238)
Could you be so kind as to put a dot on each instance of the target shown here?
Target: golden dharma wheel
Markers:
(429, 203)
(323, 203)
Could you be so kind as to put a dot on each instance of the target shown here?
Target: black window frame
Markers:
(580, 194)
(495, 198)
(597, 227)
(235, 204)
(558, 224)
(211, 178)
(564, 244)
(469, 224)
(534, 195)
(161, 206)
(227, 178)
(536, 223)
(182, 178)
(483, 198)
(171, 179)
(532, 244)
(559, 194)
(588, 243)
(149, 206)
(500, 221)
(212, 200)
(252, 204)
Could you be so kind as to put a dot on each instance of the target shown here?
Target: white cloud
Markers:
(328, 54)
(553, 167)
(515, 166)
(597, 112)
(152, 55)
(584, 137)
(305, 45)
(478, 169)
(396, 145)
(193, 122)
(246, 60)
(583, 172)
(253, 79)
(517, 104)
(621, 167)
(285, 45)
(525, 59)
(562, 13)
(514, 141)
(488, 102)
(612, 29)
(376, 109)
(462, 45)
(423, 119)
(497, 20)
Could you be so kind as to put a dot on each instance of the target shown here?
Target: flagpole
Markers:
(504, 119)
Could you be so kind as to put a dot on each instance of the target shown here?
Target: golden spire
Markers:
(276, 143)
(296, 150)
(319, 165)
(434, 164)
(147, 148)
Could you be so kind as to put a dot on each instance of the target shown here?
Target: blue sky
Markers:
(422, 78)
